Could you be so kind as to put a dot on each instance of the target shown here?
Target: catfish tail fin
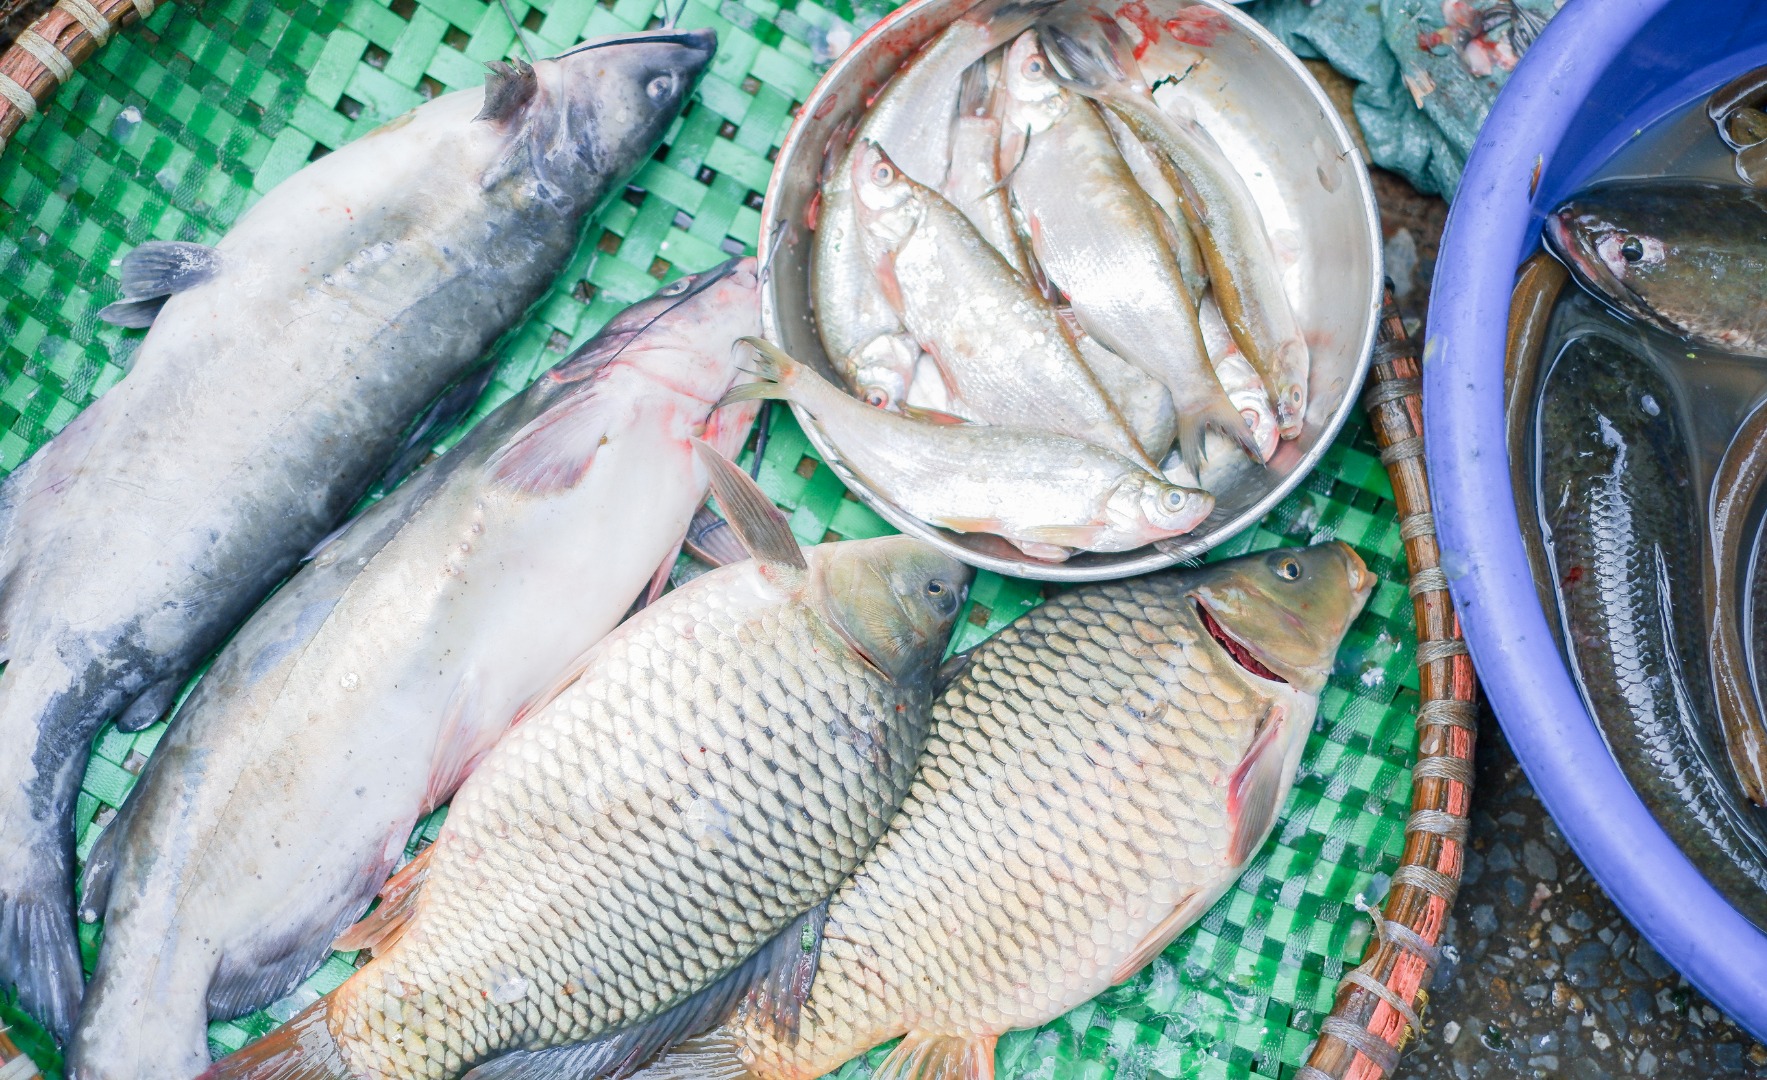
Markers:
(39, 948)
(301, 1049)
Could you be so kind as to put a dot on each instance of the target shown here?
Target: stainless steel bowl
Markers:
(1271, 118)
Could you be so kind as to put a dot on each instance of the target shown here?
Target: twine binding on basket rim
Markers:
(47, 52)
(15, 1064)
(1377, 1005)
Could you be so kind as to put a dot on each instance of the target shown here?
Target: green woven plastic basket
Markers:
(177, 126)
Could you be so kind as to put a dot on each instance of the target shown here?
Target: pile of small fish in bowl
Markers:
(1070, 293)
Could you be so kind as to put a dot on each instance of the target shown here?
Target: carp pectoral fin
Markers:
(377, 930)
(1254, 787)
(759, 524)
(939, 1057)
(784, 966)
(1189, 910)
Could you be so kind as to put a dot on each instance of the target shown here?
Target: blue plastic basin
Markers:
(1602, 70)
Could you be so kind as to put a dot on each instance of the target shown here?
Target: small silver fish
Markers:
(1098, 236)
(1044, 493)
(972, 183)
(1094, 57)
(911, 118)
(1001, 348)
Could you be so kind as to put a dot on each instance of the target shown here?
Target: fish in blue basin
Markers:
(1689, 256)
(280, 376)
(1622, 523)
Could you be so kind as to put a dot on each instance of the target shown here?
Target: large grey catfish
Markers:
(281, 374)
(361, 694)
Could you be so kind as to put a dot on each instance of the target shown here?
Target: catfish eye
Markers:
(675, 288)
(1632, 249)
(1288, 568)
(660, 87)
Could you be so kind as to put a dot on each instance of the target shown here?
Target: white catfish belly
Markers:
(478, 602)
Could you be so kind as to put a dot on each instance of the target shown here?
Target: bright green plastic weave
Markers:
(176, 127)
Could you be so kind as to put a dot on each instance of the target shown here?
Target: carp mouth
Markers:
(1240, 653)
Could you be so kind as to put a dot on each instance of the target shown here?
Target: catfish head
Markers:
(589, 113)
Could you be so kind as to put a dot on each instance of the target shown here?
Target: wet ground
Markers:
(1542, 976)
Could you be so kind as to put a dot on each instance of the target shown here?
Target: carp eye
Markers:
(660, 87)
(876, 398)
(1176, 499)
(883, 174)
(1632, 249)
(1034, 66)
(1288, 568)
(942, 595)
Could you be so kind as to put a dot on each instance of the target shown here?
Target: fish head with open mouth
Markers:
(894, 599)
(1282, 614)
(586, 110)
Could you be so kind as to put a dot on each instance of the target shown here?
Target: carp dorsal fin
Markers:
(507, 90)
(154, 271)
(759, 524)
(776, 979)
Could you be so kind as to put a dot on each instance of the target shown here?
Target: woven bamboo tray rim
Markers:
(1377, 1005)
(1375, 1010)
